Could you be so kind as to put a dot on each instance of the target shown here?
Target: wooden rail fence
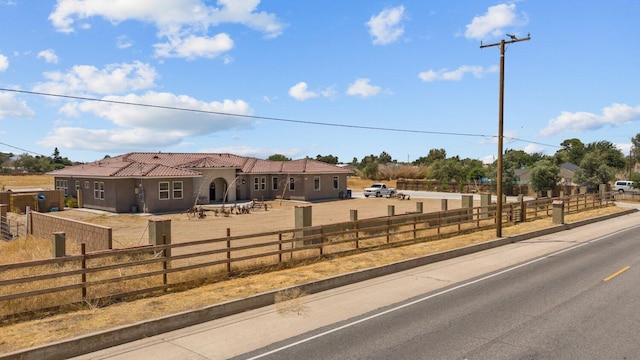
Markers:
(98, 278)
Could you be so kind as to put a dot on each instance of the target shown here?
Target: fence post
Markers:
(279, 247)
(485, 201)
(83, 265)
(391, 210)
(4, 224)
(419, 207)
(229, 251)
(303, 216)
(160, 233)
(59, 244)
(164, 263)
(523, 209)
(28, 221)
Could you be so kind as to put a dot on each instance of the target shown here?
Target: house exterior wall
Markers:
(304, 186)
(151, 198)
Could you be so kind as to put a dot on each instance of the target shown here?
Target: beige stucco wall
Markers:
(225, 180)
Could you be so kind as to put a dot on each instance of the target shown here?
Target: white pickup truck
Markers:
(379, 189)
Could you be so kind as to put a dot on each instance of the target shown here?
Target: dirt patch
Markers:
(131, 229)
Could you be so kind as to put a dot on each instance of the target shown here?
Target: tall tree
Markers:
(385, 158)
(609, 153)
(635, 149)
(572, 151)
(545, 174)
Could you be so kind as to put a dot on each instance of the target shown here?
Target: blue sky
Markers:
(342, 78)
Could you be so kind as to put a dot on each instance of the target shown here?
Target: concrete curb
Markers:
(124, 334)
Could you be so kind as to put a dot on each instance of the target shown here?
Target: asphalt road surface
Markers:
(569, 295)
(579, 303)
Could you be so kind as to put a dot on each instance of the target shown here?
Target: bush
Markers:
(71, 202)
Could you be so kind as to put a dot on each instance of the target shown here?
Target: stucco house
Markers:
(166, 182)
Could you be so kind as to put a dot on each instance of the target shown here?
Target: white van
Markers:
(623, 186)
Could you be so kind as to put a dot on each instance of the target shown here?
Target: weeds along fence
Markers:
(100, 278)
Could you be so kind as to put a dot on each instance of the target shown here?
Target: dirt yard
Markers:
(131, 229)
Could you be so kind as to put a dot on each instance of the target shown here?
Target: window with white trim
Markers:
(177, 189)
(62, 185)
(87, 184)
(292, 186)
(256, 183)
(335, 183)
(163, 190)
(316, 183)
(263, 183)
(274, 183)
(98, 190)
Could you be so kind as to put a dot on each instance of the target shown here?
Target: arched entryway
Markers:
(217, 190)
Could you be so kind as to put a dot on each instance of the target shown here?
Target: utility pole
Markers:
(499, 191)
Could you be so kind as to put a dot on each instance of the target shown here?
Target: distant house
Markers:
(166, 182)
(567, 176)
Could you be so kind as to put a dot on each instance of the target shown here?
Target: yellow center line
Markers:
(617, 273)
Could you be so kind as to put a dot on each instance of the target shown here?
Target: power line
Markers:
(21, 149)
(257, 117)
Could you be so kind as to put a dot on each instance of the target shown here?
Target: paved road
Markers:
(462, 307)
(579, 303)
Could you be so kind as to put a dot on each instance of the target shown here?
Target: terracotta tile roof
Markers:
(187, 164)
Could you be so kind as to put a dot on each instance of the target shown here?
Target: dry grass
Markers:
(18, 182)
(91, 319)
(359, 184)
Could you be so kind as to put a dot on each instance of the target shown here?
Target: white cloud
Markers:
(534, 148)
(613, 115)
(49, 56)
(457, 74)
(109, 140)
(13, 108)
(147, 127)
(114, 78)
(123, 42)
(183, 23)
(4, 63)
(190, 123)
(361, 87)
(386, 27)
(191, 47)
(493, 22)
(299, 92)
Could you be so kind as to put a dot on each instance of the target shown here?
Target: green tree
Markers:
(385, 158)
(635, 149)
(609, 153)
(278, 157)
(545, 174)
(573, 150)
(31, 164)
(329, 159)
(55, 157)
(370, 171)
(594, 170)
(434, 155)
